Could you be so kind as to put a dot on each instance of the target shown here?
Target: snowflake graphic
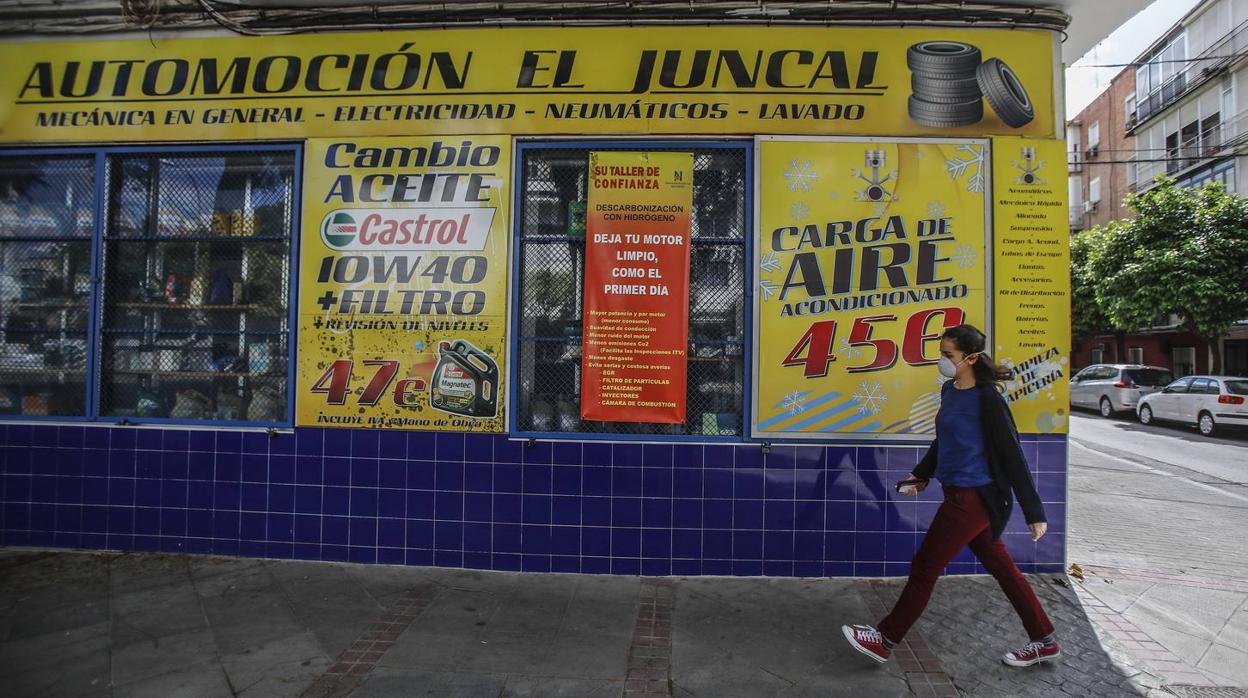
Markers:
(799, 211)
(935, 209)
(795, 402)
(849, 351)
(800, 175)
(965, 256)
(770, 263)
(870, 397)
(971, 167)
(767, 287)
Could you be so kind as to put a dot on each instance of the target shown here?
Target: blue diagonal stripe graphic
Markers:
(764, 425)
(815, 419)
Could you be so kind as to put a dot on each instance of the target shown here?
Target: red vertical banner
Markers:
(636, 317)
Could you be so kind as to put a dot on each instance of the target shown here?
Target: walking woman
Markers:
(980, 465)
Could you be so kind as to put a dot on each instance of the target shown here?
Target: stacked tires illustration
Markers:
(949, 81)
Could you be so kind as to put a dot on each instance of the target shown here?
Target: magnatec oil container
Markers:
(465, 381)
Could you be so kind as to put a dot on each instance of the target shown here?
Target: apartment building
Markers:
(1189, 113)
(1098, 148)
(1183, 112)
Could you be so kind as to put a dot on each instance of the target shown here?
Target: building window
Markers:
(1183, 360)
(1162, 79)
(47, 222)
(1098, 355)
(1094, 138)
(1173, 161)
(1075, 193)
(1135, 355)
(1128, 112)
(1094, 193)
(1132, 171)
(1228, 107)
(1210, 134)
(1189, 137)
(548, 306)
(193, 293)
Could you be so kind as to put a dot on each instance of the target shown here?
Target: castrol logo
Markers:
(407, 229)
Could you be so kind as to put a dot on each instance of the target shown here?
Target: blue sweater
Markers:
(961, 459)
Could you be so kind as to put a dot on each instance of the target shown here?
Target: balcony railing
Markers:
(1193, 73)
(1217, 141)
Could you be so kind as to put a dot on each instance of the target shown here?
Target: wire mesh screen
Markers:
(197, 254)
(550, 303)
(46, 228)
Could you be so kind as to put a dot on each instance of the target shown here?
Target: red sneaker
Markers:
(1032, 653)
(867, 640)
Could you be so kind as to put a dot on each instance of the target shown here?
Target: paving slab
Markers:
(765, 636)
(172, 625)
(193, 681)
(387, 683)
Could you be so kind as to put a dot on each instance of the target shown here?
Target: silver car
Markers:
(1113, 388)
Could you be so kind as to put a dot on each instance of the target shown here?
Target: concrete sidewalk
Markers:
(77, 624)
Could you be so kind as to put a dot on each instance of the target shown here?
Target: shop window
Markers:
(1135, 355)
(549, 293)
(46, 228)
(1098, 355)
(193, 255)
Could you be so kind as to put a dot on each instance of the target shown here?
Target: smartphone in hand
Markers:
(910, 486)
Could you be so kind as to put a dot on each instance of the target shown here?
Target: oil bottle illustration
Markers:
(465, 381)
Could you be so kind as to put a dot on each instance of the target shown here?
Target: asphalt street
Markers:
(1158, 524)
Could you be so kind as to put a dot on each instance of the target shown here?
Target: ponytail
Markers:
(970, 340)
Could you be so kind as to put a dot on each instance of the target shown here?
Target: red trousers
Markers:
(961, 521)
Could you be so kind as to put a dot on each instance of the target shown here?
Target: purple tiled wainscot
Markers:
(488, 502)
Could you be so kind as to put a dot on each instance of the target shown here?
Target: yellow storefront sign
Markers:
(657, 80)
(867, 250)
(1032, 271)
(403, 283)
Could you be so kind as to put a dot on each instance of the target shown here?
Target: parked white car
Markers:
(1111, 388)
(1209, 402)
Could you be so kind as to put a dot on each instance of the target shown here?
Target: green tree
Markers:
(1185, 253)
(1087, 317)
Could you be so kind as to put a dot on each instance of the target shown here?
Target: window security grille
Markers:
(549, 301)
(180, 311)
(197, 255)
(46, 228)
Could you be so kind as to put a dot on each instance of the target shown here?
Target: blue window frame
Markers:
(550, 193)
(166, 279)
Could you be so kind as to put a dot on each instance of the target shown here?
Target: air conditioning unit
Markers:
(1090, 206)
(1093, 150)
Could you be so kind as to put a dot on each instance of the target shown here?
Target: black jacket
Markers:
(1006, 464)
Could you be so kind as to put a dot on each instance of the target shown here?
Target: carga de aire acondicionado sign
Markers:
(868, 250)
(402, 293)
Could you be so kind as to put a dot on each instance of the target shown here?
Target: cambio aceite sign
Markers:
(403, 283)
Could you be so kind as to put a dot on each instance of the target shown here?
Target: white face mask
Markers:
(947, 368)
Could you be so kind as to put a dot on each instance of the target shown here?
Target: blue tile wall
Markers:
(484, 501)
